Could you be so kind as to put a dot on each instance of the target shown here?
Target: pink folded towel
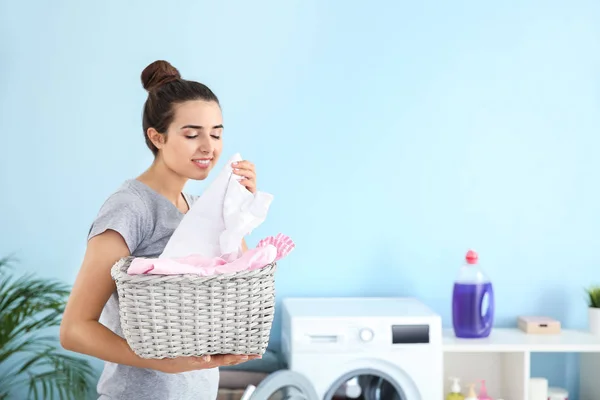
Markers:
(269, 250)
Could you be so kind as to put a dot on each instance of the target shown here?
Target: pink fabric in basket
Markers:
(268, 250)
(283, 243)
(196, 264)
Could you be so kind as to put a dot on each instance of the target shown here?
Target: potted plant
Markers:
(594, 309)
(31, 360)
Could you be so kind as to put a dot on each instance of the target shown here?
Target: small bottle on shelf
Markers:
(471, 395)
(455, 393)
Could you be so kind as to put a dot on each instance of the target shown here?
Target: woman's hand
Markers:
(246, 170)
(185, 364)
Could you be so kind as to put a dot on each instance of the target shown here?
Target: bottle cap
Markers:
(471, 257)
(455, 385)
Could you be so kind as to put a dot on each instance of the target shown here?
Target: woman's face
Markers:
(193, 142)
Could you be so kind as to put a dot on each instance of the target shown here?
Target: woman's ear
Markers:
(158, 139)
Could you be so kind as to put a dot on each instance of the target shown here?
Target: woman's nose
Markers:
(206, 146)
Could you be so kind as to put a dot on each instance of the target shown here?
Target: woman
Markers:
(183, 128)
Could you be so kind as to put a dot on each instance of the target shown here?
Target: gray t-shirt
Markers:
(146, 220)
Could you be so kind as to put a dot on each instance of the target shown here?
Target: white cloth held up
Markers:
(218, 221)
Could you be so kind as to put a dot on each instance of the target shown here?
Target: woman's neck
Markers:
(166, 182)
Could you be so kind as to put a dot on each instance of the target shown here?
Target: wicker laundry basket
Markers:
(190, 315)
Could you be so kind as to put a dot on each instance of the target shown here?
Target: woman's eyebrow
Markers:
(199, 127)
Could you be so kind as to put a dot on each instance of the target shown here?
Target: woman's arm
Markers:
(80, 330)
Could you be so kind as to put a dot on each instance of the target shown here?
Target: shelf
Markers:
(505, 373)
(515, 340)
(503, 360)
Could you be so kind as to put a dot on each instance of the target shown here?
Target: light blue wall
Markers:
(394, 135)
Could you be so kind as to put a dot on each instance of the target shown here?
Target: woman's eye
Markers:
(192, 137)
(216, 136)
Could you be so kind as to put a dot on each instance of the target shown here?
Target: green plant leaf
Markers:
(31, 344)
(61, 373)
(594, 296)
(27, 306)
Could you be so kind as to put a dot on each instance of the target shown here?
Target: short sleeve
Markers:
(125, 213)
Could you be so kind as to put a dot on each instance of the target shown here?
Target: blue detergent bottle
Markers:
(472, 301)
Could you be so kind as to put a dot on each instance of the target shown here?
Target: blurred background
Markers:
(394, 136)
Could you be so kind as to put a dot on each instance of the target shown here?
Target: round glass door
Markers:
(366, 385)
(282, 385)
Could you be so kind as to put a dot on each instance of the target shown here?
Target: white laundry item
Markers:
(219, 219)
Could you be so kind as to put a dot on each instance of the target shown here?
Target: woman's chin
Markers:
(199, 175)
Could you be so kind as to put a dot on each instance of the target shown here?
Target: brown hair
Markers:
(165, 89)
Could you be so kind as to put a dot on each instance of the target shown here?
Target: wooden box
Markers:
(539, 325)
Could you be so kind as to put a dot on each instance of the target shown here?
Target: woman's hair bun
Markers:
(158, 73)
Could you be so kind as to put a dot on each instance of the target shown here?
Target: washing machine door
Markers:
(368, 383)
(282, 385)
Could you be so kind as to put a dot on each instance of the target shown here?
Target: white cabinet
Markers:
(503, 360)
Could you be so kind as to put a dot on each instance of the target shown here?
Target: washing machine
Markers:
(357, 348)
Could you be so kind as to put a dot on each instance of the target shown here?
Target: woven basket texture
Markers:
(191, 315)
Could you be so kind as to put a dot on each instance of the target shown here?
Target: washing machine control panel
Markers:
(366, 334)
(414, 333)
(401, 334)
(372, 325)
(354, 335)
